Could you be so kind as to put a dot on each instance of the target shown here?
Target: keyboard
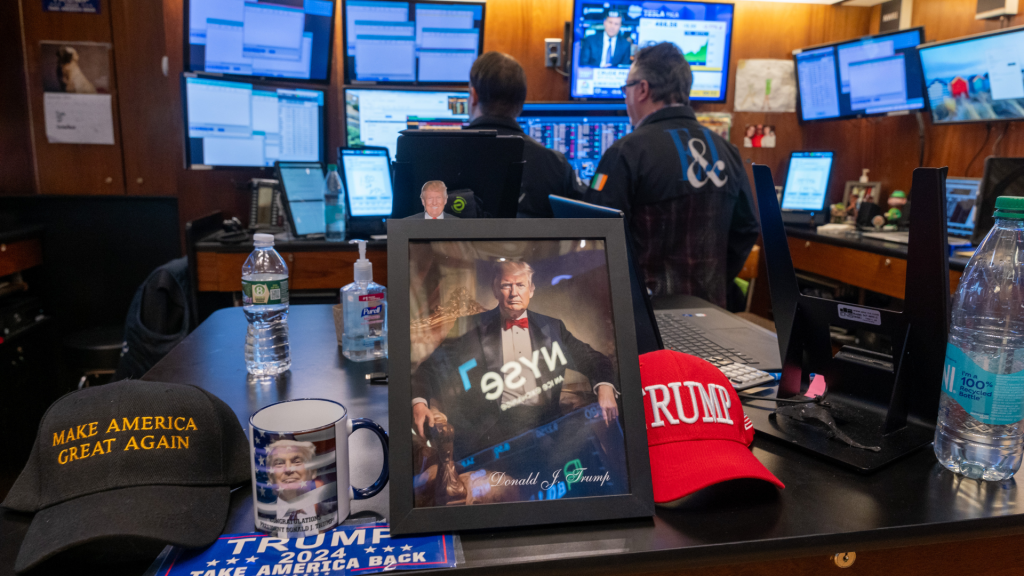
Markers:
(679, 335)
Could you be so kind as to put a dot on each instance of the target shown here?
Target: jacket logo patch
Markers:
(699, 170)
(598, 182)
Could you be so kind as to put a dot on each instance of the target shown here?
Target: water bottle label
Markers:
(334, 212)
(996, 399)
(264, 292)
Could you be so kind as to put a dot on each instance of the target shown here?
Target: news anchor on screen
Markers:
(609, 49)
(503, 375)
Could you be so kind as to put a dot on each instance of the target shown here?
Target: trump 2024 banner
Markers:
(362, 549)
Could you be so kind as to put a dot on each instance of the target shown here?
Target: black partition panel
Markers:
(885, 402)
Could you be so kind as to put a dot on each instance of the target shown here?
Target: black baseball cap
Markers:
(129, 464)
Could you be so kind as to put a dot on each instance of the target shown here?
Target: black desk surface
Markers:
(892, 249)
(824, 509)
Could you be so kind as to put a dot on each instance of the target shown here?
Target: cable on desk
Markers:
(920, 139)
(988, 133)
(995, 147)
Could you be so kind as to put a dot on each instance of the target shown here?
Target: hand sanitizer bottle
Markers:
(365, 308)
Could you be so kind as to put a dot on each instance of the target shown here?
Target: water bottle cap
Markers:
(262, 240)
(1010, 207)
(332, 167)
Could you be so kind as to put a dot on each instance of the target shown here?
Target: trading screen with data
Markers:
(580, 131)
(274, 39)
(244, 124)
(807, 181)
(411, 42)
(376, 117)
(872, 75)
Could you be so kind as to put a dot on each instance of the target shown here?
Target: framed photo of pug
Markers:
(514, 362)
(75, 67)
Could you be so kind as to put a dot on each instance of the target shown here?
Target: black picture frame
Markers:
(408, 519)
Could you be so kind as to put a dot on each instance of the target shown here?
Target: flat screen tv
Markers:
(260, 38)
(869, 76)
(977, 78)
(606, 35)
(413, 42)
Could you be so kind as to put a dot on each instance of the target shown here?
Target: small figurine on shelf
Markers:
(878, 222)
(893, 216)
(838, 212)
(898, 208)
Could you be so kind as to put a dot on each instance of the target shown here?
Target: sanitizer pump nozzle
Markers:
(363, 268)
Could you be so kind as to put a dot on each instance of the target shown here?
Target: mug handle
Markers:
(382, 480)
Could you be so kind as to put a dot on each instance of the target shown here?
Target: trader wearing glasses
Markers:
(683, 188)
(434, 195)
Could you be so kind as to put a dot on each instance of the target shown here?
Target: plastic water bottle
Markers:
(265, 303)
(365, 309)
(980, 429)
(334, 205)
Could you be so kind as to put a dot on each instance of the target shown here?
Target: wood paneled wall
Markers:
(70, 168)
(149, 159)
(16, 161)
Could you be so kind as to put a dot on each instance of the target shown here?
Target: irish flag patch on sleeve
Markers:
(597, 182)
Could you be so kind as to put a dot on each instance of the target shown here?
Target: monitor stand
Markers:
(885, 401)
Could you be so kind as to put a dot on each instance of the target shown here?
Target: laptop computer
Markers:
(704, 331)
(961, 214)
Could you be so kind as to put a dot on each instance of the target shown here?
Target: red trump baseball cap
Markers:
(697, 433)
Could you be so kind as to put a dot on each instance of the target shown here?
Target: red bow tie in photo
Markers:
(522, 323)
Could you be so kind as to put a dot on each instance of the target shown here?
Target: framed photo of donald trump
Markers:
(513, 360)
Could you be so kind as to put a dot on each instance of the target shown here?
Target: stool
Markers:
(92, 354)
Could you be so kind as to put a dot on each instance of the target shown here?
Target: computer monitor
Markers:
(977, 78)
(411, 42)
(600, 62)
(236, 124)
(302, 186)
(648, 337)
(581, 131)
(961, 206)
(265, 38)
(375, 117)
(1002, 177)
(873, 75)
(805, 195)
(367, 175)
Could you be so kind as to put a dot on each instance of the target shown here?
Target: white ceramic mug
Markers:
(299, 452)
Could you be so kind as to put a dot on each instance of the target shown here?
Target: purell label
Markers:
(372, 310)
(371, 297)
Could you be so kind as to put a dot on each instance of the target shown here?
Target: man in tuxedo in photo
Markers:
(609, 49)
(503, 375)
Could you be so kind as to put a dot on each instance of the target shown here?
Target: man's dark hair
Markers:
(667, 71)
(500, 84)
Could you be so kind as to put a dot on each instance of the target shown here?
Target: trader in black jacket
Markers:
(497, 91)
(683, 188)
